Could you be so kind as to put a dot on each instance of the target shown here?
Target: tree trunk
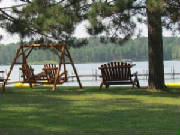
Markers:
(155, 51)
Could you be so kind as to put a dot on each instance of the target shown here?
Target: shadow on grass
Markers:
(72, 111)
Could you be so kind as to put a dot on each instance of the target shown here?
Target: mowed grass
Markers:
(89, 111)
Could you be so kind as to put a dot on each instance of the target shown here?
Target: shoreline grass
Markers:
(89, 111)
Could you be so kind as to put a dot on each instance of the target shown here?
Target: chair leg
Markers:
(133, 85)
(102, 83)
(30, 84)
(137, 83)
(107, 85)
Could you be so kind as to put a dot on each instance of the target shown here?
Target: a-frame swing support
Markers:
(61, 50)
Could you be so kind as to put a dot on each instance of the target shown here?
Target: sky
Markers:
(80, 31)
(7, 38)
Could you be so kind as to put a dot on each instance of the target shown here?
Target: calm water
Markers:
(85, 69)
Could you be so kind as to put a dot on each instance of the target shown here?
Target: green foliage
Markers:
(113, 18)
(58, 19)
(51, 18)
(88, 111)
(97, 51)
(122, 5)
(155, 5)
(121, 16)
(48, 19)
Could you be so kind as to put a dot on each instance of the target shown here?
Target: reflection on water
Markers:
(87, 69)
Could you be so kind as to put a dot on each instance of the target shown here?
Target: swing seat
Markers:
(51, 71)
(29, 76)
(46, 77)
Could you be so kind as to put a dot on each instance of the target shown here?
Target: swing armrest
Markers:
(63, 73)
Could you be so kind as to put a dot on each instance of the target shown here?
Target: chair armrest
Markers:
(134, 74)
(63, 73)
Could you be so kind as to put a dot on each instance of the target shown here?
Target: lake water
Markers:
(92, 68)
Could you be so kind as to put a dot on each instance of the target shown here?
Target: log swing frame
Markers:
(61, 50)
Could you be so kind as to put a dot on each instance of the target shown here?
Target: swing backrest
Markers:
(51, 71)
(28, 73)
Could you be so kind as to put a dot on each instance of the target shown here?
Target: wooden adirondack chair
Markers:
(116, 73)
(51, 73)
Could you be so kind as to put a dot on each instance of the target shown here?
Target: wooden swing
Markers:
(51, 73)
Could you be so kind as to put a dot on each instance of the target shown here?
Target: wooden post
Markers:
(58, 70)
(72, 63)
(96, 75)
(173, 73)
(11, 68)
(64, 63)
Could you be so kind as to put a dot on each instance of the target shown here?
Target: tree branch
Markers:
(28, 1)
(7, 16)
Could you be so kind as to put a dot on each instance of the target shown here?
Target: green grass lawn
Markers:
(90, 111)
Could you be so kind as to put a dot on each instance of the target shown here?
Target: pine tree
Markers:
(45, 20)
(121, 16)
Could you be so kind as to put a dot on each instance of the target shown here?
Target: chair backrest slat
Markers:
(116, 71)
(113, 71)
(122, 71)
(125, 72)
(110, 71)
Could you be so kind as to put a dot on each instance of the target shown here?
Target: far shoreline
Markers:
(54, 62)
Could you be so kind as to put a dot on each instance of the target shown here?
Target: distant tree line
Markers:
(95, 51)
